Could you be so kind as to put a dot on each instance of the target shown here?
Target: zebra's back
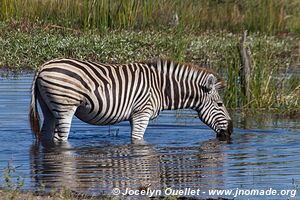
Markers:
(102, 94)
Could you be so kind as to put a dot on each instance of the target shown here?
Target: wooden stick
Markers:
(245, 72)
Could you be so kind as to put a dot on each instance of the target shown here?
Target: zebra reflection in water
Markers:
(106, 166)
(95, 168)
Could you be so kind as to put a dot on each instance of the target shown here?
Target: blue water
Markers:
(179, 152)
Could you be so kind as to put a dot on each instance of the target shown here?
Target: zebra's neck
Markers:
(178, 85)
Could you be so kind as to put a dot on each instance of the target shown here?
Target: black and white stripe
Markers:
(106, 94)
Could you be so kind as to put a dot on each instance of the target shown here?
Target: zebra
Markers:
(105, 94)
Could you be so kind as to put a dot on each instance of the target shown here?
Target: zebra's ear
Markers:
(210, 82)
(220, 85)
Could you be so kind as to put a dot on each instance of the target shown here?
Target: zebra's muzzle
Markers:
(224, 134)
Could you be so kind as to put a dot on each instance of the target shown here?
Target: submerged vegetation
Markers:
(202, 32)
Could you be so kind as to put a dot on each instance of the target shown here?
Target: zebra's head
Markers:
(211, 109)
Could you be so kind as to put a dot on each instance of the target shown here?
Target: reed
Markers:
(275, 80)
(266, 16)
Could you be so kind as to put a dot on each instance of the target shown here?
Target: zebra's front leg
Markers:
(139, 123)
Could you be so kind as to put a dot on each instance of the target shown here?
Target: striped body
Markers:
(103, 94)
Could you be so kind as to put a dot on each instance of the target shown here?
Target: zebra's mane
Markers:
(220, 81)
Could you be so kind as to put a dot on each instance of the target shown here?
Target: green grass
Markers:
(267, 16)
(275, 78)
(11, 179)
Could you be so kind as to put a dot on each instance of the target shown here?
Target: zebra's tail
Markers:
(33, 111)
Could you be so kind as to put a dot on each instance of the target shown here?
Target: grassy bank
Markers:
(267, 16)
(275, 78)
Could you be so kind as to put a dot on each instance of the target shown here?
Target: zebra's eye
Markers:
(220, 104)
(205, 89)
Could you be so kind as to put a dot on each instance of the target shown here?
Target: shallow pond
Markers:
(179, 152)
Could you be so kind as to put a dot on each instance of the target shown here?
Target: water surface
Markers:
(179, 152)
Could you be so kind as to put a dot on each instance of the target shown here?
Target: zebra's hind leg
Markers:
(139, 123)
(63, 120)
(58, 114)
(49, 121)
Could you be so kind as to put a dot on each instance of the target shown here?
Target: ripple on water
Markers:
(179, 151)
